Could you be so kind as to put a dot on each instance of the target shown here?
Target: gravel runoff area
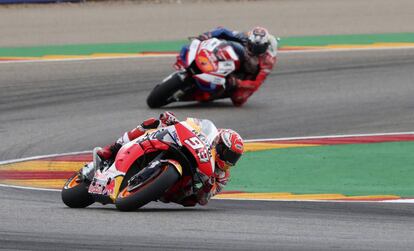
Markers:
(130, 21)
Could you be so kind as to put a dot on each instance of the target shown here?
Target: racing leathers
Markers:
(165, 119)
(254, 68)
(186, 194)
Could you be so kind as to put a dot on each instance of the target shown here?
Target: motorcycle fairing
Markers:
(192, 51)
(190, 134)
(106, 182)
(131, 151)
(208, 82)
(206, 61)
(151, 141)
(183, 54)
(217, 54)
(216, 59)
(150, 171)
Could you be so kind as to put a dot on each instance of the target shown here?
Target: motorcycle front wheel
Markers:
(162, 94)
(149, 190)
(75, 193)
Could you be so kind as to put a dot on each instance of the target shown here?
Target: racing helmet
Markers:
(258, 40)
(229, 148)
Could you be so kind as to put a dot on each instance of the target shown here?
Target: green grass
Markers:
(360, 169)
(167, 46)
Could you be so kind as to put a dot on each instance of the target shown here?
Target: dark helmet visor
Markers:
(258, 49)
(227, 155)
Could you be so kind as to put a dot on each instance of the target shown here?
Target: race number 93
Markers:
(199, 147)
(194, 143)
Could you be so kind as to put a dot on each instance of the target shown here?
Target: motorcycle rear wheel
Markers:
(75, 193)
(149, 190)
(161, 94)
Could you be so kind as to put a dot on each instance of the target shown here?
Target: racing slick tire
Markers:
(75, 193)
(148, 190)
(162, 94)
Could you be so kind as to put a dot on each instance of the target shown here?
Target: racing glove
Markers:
(204, 36)
(150, 123)
(206, 191)
(168, 118)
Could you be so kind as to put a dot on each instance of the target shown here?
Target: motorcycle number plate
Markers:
(96, 189)
(97, 186)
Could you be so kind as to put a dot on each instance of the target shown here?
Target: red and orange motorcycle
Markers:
(150, 168)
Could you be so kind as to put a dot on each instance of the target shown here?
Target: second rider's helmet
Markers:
(229, 148)
(258, 41)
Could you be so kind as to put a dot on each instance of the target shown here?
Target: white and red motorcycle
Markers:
(202, 70)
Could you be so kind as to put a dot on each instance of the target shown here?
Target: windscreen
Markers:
(209, 130)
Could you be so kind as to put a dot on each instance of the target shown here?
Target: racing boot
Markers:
(88, 171)
(108, 152)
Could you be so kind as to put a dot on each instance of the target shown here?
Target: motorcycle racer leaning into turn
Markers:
(257, 50)
(228, 147)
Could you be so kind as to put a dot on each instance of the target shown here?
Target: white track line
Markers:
(332, 136)
(402, 201)
(248, 140)
(30, 188)
(251, 140)
(409, 201)
(87, 59)
(41, 157)
(173, 55)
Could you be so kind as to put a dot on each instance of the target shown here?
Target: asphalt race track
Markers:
(38, 220)
(55, 107)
